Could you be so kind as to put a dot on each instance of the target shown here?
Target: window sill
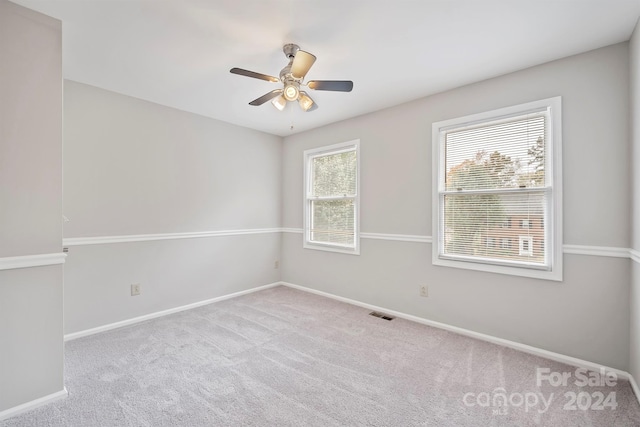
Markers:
(332, 248)
(554, 275)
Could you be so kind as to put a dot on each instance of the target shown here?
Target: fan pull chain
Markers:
(291, 116)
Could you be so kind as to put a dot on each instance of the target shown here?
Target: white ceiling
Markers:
(178, 52)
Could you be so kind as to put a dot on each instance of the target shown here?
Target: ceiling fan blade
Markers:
(266, 97)
(302, 62)
(334, 85)
(253, 74)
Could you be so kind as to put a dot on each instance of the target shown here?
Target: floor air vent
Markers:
(381, 315)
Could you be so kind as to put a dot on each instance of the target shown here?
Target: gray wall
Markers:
(634, 53)
(136, 168)
(586, 315)
(31, 350)
(132, 167)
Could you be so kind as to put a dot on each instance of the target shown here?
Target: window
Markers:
(490, 168)
(331, 199)
(526, 246)
(505, 244)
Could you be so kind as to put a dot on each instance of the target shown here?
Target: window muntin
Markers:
(331, 198)
(496, 178)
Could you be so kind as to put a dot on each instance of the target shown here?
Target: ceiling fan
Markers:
(292, 76)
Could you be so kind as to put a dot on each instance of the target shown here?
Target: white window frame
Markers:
(307, 199)
(553, 185)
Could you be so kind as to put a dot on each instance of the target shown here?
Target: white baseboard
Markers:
(17, 410)
(573, 361)
(110, 326)
(634, 386)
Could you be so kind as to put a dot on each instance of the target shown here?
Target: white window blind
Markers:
(495, 190)
(331, 203)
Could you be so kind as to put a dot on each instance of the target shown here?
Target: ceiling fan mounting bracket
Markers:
(290, 50)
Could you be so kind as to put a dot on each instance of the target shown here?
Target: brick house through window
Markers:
(519, 235)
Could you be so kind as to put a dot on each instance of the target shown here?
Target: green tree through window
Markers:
(468, 216)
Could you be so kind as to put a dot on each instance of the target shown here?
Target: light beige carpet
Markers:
(283, 357)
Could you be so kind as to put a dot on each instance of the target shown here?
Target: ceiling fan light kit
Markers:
(279, 102)
(291, 92)
(305, 101)
(292, 77)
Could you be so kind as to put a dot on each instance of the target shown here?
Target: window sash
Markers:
(499, 233)
(334, 232)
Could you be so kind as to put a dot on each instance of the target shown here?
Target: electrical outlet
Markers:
(276, 265)
(424, 291)
(135, 289)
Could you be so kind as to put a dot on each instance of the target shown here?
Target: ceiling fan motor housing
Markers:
(285, 74)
